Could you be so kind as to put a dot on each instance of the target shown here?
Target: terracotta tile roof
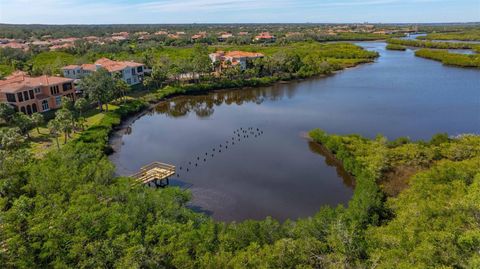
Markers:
(264, 35)
(72, 66)
(89, 67)
(113, 66)
(22, 82)
(241, 54)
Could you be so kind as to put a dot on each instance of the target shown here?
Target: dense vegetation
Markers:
(457, 59)
(466, 35)
(395, 47)
(43, 62)
(68, 210)
(431, 44)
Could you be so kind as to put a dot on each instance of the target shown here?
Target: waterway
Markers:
(246, 150)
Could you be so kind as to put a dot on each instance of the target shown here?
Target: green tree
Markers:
(122, 89)
(10, 138)
(6, 112)
(99, 86)
(159, 74)
(200, 62)
(23, 122)
(81, 106)
(37, 120)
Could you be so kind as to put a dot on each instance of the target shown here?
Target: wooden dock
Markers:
(157, 173)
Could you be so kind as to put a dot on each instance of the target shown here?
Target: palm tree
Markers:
(54, 128)
(64, 118)
(37, 120)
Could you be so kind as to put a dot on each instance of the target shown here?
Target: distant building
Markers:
(265, 37)
(35, 94)
(234, 58)
(14, 45)
(130, 72)
(224, 36)
(63, 46)
(198, 36)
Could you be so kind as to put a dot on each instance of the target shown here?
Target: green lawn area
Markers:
(41, 143)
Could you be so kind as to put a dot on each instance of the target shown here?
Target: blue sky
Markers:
(236, 11)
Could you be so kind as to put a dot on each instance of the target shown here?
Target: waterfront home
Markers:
(35, 94)
(130, 72)
(234, 58)
(265, 37)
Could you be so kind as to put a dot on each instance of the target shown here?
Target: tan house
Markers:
(35, 94)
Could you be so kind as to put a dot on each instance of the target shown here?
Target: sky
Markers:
(236, 11)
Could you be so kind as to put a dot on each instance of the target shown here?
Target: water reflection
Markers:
(330, 160)
(204, 105)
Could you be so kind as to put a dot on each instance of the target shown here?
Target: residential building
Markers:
(234, 58)
(265, 37)
(200, 35)
(223, 36)
(130, 72)
(35, 94)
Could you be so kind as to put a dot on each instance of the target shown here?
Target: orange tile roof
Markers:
(113, 66)
(21, 82)
(241, 54)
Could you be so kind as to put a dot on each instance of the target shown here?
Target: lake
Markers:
(246, 150)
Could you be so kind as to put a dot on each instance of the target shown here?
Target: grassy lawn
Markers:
(41, 143)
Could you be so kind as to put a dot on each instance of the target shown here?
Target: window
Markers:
(140, 69)
(34, 108)
(129, 80)
(54, 90)
(23, 110)
(32, 96)
(11, 97)
(135, 79)
(25, 95)
(45, 105)
(20, 96)
(67, 86)
(133, 71)
(37, 90)
(58, 100)
(29, 109)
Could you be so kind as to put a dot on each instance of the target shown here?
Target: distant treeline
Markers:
(467, 35)
(432, 44)
(457, 59)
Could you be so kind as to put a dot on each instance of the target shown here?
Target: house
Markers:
(35, 94)
(265, 37)
(130, 72)
(14, 45)
(62, 47)
(234, 58)
(224, 36)
(200, 35)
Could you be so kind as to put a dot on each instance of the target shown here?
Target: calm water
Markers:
(276, 171)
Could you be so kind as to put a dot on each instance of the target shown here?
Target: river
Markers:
(276, 171)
